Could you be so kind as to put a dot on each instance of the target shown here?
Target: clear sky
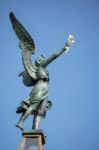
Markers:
(73, 121)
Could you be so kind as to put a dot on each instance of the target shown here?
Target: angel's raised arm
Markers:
(61, 51)
(53, 57)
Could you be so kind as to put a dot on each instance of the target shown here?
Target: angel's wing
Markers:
(27, 80)
(26, 41)
(26, 44)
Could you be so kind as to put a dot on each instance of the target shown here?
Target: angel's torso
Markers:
(42, 74)
(41, 88)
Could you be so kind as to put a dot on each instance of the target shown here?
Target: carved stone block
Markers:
(32, 141)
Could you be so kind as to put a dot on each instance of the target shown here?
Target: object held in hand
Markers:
(70, 41)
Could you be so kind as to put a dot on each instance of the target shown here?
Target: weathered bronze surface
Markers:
(35, 75)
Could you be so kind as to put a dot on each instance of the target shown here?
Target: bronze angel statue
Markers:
(35, 75)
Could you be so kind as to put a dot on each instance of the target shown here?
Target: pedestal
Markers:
(33, 140)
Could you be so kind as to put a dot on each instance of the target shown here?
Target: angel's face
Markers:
(40, 60)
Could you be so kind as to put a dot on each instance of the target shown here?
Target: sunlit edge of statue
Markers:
(34, 75)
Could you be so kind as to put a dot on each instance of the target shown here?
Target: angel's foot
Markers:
(20, 125)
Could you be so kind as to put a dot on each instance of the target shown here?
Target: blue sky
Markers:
(73, 121)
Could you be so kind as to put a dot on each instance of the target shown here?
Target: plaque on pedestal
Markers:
(32, 140)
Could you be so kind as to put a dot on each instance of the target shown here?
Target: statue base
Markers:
(33, 140)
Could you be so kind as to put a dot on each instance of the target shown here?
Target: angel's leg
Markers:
(24, 105)
(39, 114)
(36, 121)
(24, 116)
(19, 123)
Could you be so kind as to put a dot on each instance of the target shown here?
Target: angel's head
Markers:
(39, 61)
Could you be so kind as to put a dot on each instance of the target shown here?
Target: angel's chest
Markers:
(42, 72)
